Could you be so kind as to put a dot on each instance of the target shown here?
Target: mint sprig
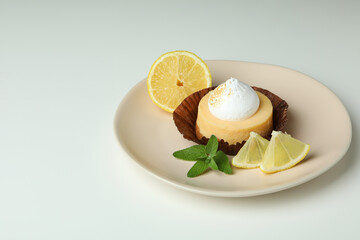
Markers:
(206, 157)
(192, 153)
(198, 168)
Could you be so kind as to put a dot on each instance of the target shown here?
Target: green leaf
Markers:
(213, 165)
(192, 153)
(198, 168)
(202, 159)
(206, 157)
(212, 146)
(222, 162)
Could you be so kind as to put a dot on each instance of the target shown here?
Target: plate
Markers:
(316, 116)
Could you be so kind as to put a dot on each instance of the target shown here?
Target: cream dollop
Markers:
(233, 100)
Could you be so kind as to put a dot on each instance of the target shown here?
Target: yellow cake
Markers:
(234, 131)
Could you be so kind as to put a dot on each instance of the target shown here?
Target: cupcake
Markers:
(230, 112)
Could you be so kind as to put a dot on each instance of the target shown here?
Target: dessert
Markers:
(232, 111)
(185, 116)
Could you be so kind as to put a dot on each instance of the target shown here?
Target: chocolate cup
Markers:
(185, 116)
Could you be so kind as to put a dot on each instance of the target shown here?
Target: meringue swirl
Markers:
(233, 101)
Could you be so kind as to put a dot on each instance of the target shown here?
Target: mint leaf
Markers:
(213, 165)
(212, 146)
(192, 153)
(206, 157)
(222, 162)
(198, 168)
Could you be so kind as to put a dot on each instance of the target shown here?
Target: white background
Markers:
(65, 67)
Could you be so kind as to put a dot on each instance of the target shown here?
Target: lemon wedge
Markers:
(283, 152)
(251, 154)
(174, 76)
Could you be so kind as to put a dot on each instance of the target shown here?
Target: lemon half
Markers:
(174, 76)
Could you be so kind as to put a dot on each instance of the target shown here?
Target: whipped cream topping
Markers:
(233, 100)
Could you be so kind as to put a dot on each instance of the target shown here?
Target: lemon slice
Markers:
(251, 154)
(283, 153)
(174, 76)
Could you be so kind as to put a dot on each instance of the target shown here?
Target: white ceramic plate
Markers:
(316, 116)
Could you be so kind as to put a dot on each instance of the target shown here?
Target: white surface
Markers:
(64, 68)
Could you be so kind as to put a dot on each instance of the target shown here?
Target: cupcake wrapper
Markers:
(185, 116)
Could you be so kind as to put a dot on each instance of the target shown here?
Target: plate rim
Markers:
(238, 193)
